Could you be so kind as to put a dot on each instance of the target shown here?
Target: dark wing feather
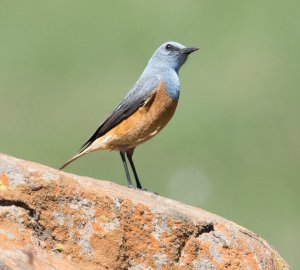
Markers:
(133, 100)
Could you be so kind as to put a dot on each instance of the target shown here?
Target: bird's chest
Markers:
(157, 110)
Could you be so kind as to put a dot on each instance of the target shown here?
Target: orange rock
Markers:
(53, 220)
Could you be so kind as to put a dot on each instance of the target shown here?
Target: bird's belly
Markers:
(143, 124)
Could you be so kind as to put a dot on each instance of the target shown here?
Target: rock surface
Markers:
(54, 220)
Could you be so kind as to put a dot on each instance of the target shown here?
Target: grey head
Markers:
(170, 55)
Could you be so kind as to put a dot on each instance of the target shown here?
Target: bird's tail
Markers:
(70, 160)
(87, 150)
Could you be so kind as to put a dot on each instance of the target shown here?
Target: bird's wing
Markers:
(135, 98)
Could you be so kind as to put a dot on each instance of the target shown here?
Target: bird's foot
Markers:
(141, 188)
(144, 189)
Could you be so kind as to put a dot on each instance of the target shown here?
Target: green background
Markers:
(232, 147)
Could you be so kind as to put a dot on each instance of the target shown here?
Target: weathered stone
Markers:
(54, 220)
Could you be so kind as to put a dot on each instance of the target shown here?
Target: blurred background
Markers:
(232, 147)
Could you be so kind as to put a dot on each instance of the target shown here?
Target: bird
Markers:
(144, 111)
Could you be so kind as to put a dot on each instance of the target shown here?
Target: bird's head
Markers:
(171, 54)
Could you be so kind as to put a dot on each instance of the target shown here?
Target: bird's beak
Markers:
(189, 50)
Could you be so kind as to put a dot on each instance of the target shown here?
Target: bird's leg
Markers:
(129, 157)
(130, 185)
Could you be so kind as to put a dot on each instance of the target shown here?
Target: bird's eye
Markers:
(169, 47)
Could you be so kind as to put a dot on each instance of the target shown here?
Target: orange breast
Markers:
(142, 125)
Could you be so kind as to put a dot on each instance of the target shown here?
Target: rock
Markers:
(50, 219)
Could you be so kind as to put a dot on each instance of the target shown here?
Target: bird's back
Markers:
(147, 121)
